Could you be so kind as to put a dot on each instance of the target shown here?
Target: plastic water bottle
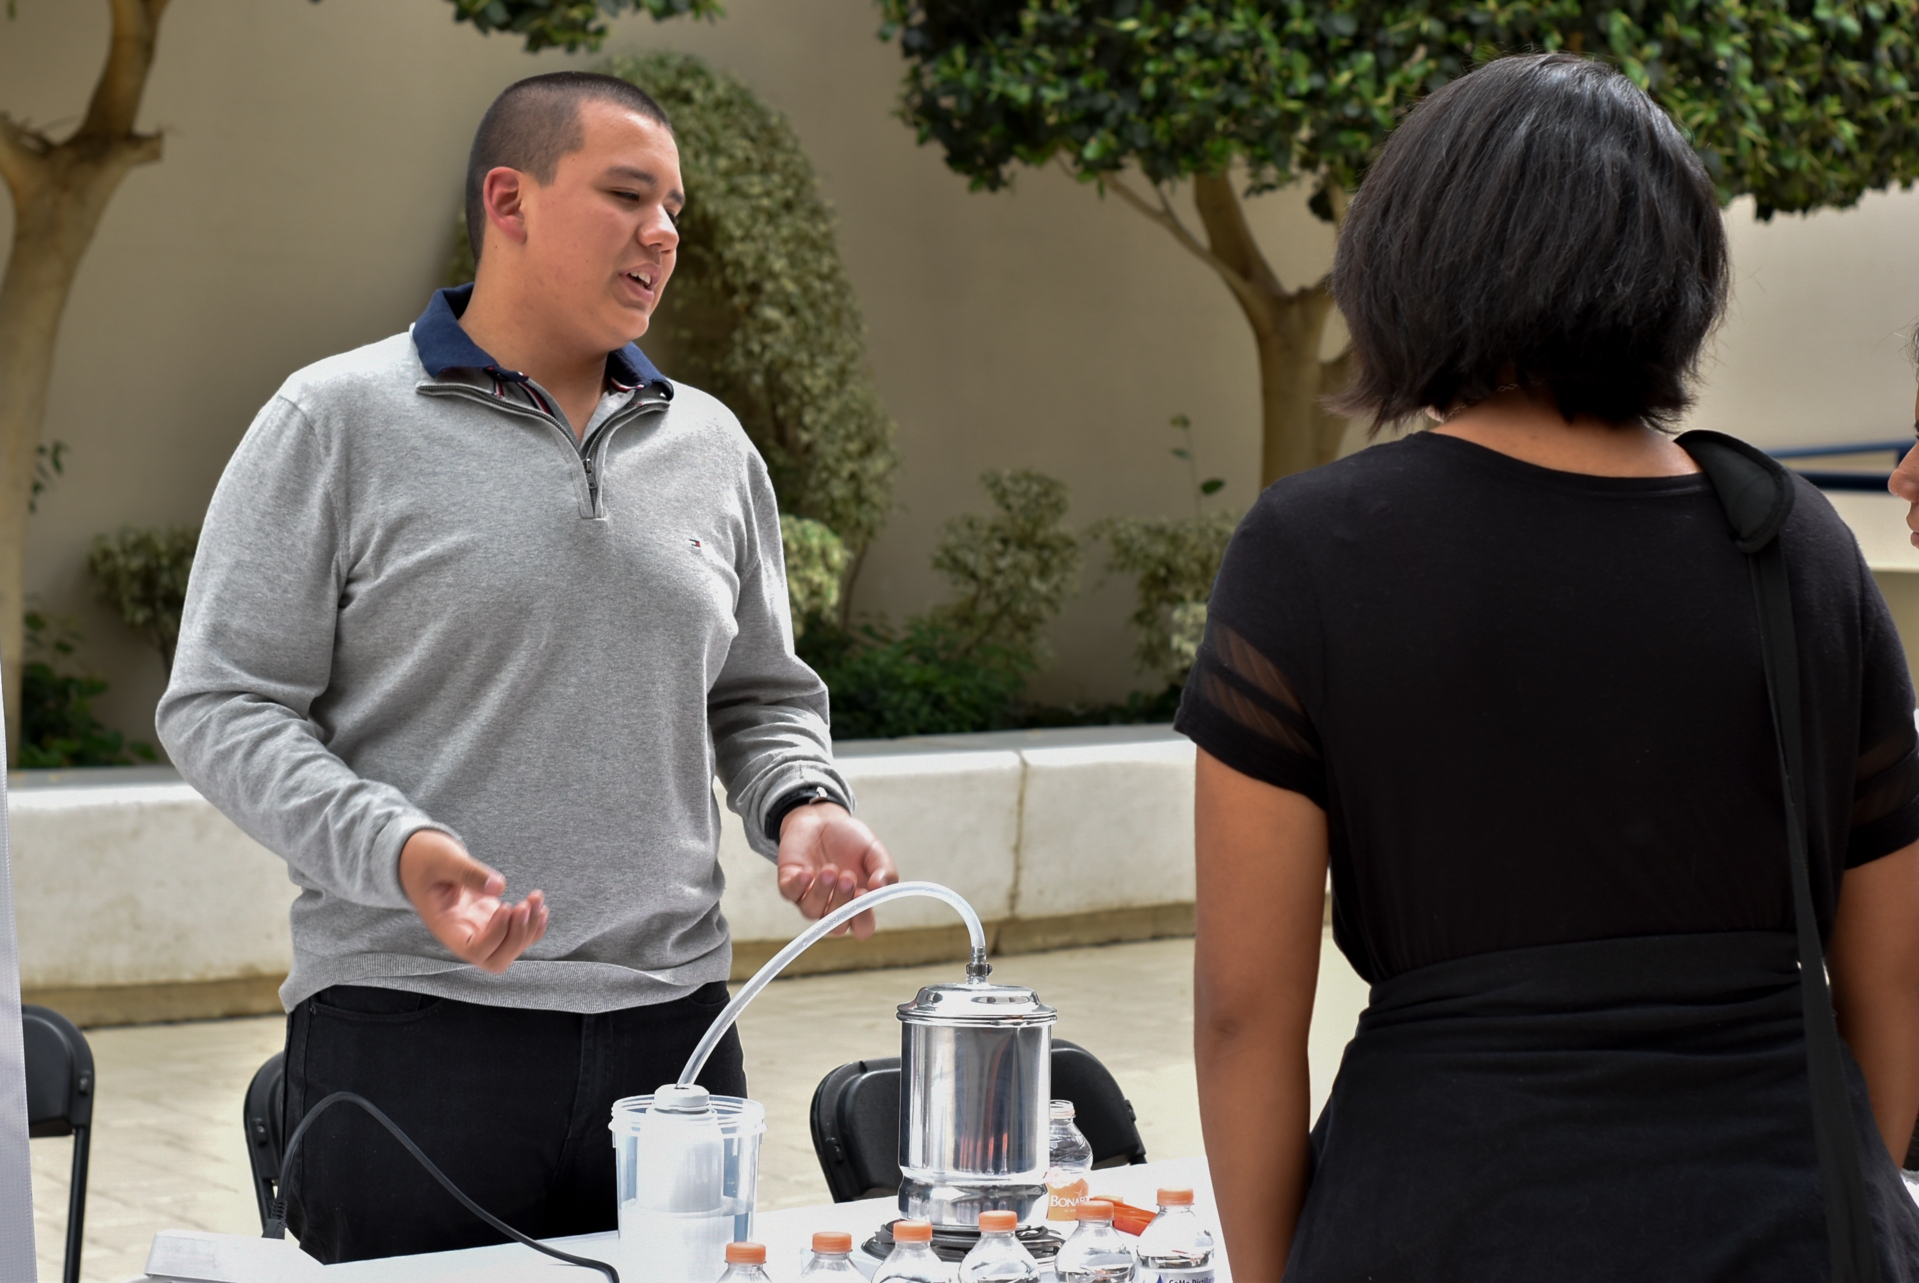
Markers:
(999, 1256)
(1175, 1248)
(1095, 1253)
(745, 1263)
(1069, 1159)
(832, 1258)
(912, 1259)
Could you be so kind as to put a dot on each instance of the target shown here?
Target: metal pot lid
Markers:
(978, 1002)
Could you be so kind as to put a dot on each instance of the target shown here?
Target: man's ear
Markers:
(501, 194)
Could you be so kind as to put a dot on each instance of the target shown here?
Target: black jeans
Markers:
(511, 1104)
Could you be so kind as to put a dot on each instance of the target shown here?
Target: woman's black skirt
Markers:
(1617, 1110)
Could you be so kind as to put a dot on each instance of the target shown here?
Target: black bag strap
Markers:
(1757, 492)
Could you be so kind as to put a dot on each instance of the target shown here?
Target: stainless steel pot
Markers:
(976, 1076)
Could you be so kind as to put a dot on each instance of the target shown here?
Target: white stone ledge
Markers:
(127, 877)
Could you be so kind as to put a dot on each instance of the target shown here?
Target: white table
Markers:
(183, 1256)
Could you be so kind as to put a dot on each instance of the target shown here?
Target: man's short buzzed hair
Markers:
(533, 123)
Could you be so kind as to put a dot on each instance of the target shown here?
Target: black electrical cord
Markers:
(277, 1222)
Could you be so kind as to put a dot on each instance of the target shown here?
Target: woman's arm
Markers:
(1262, 884)
(1873, 960)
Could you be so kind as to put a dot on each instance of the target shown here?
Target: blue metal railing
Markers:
(1828, 479)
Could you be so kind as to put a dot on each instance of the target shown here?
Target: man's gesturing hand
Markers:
(828, 858)
(459, 900)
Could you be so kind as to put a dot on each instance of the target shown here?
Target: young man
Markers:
(489, 602)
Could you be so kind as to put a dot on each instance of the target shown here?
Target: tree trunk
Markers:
(1296, 431)
(59, 192)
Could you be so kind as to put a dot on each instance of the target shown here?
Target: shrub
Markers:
(815, 565)
(961, 666)
(1014, 568)
(142, 574)
(924, 680)
(57, 725)
(1175, 561)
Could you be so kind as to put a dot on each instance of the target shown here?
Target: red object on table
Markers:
(1127, 1218)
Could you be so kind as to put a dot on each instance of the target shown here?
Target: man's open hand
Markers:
(458, 899)
(828, 858)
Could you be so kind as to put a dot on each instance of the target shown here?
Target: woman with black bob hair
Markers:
(1505, 679)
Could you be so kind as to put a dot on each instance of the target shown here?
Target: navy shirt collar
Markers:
(444, 346)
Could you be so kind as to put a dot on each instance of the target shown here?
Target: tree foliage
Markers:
(760, 311)
(569, 24)
(1800, 103)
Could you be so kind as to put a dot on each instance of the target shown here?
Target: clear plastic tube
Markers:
(976, 969)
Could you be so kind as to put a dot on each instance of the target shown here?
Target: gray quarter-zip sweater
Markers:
(420, 602)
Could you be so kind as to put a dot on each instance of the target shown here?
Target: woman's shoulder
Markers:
(1817, 539)
(1390, 473)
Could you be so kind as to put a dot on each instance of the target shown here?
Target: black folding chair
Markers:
(1100, 1109)
(856, 1120)
(60, 1103)
(264, 1116)
(856, 1129)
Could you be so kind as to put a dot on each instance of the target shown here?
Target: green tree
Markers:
(760, 311)
(569, 24)
(60, 188)
(1801, 104)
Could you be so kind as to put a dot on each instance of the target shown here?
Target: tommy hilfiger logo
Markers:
(693, 542)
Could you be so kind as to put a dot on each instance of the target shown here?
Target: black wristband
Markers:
(793, 801)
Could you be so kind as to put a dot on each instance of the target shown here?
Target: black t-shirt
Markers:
(1532, 705)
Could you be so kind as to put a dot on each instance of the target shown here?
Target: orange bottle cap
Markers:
(998, 1221)
(832, 1241)
(1176, 1198)
(912, 1231)
(1095, 1209)
(745, 1254)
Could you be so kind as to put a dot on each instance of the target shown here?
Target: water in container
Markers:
(686, 1165)
(912, 1259)
(1094, 1252)
(832, 1258)
(1069, 1158)
(999, 1256)
(1175, 1248)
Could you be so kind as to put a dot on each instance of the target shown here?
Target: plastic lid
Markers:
(912, 1231)
(977, 1002)
(832, 1241)
(1176, 1198)
(1095, 1209)
(1063, 1109)
(675, 1099)
(745, 1254)
(998, 1221)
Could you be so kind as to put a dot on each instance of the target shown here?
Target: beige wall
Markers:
(313, 161)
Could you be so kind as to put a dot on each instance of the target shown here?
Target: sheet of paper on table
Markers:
(180, 1256)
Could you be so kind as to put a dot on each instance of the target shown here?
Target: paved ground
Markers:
(168, 1149)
